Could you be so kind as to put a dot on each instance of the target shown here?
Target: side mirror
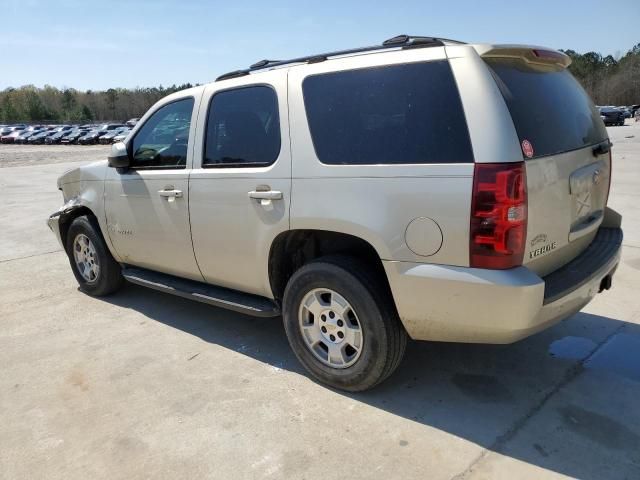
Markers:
(119, 156)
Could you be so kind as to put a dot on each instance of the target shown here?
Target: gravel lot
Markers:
(145, 385)
(23, 155)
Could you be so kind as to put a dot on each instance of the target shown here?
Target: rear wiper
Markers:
(602, 148)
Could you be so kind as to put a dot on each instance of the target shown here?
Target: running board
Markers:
(203, 292)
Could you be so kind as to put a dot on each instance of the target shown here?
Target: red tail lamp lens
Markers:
(498, 215)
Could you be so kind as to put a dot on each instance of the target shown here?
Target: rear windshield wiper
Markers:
(602, 148)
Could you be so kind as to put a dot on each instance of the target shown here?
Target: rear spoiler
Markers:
(532, 55)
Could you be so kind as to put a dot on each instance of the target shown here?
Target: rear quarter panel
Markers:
(377, 202)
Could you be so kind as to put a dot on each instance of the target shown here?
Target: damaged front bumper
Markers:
(53, 222)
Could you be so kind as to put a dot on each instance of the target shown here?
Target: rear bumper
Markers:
(458, 304)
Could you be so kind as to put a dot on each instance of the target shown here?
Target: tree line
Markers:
(52, 105)
(608, 80)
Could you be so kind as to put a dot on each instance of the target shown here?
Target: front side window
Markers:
(398, 114)
(162, 140)
(243, 128)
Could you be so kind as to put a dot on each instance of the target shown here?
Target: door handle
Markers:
(266, 195)
(170, 194)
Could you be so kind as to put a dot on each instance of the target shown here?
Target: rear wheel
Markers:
(342, 324)
(95, 269)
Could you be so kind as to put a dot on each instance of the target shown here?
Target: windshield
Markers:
(549, 108)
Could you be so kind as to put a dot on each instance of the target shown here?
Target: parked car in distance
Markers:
(25, 135)
(324, 191)
(11, 136)
(94, 135)
(132, 122)
(49, 135)
(91, 137)
(39, 138)
(56, 137)
(107, 138)
(121, 137)
(11, 128)
(73, 136)
(612, 116)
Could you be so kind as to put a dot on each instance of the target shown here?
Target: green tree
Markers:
(87, 114)
(69, 100)
(112, 98)
(8, 110)
(35, 109)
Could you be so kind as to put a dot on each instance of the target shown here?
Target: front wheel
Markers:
(342, 324)
(95, 269)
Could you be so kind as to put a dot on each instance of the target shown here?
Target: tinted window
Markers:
(243, 128)
(162, 140)
(549, 108)
(387, 115)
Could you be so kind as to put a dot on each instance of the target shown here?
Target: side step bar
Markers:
(201, 292)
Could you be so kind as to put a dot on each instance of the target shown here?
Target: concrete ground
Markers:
(145, 385)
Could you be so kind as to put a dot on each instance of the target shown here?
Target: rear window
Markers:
(400, 114)
(549, 108)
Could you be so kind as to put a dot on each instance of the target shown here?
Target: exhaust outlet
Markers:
(605, 283)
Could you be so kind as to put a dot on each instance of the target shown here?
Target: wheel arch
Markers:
(292, 249)
(69, 215)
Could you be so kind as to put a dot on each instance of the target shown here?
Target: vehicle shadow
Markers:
(482, 393)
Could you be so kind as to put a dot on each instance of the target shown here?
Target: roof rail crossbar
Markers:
(407, 41)
(234, 74)
(399, 41)
(263, 63)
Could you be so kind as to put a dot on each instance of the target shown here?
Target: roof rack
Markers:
(399, 41)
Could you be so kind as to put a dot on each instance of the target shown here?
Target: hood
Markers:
(91, 172)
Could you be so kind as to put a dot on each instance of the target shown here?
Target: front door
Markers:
(147, 206)
(240, 187)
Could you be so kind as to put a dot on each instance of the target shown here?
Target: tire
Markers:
(107, 277)
(382, 338)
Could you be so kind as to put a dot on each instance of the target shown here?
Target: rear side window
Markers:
(397, 114)
(243, 128)
(549, 108)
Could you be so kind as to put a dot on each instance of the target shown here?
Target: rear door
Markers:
(240, 186)
(566, 149)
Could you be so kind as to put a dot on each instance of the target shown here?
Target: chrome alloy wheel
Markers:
(330, 328)
(86, 258)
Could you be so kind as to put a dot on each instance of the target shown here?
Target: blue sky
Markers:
(126, 43)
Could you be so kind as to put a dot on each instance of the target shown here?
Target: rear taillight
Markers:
(498, 215)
